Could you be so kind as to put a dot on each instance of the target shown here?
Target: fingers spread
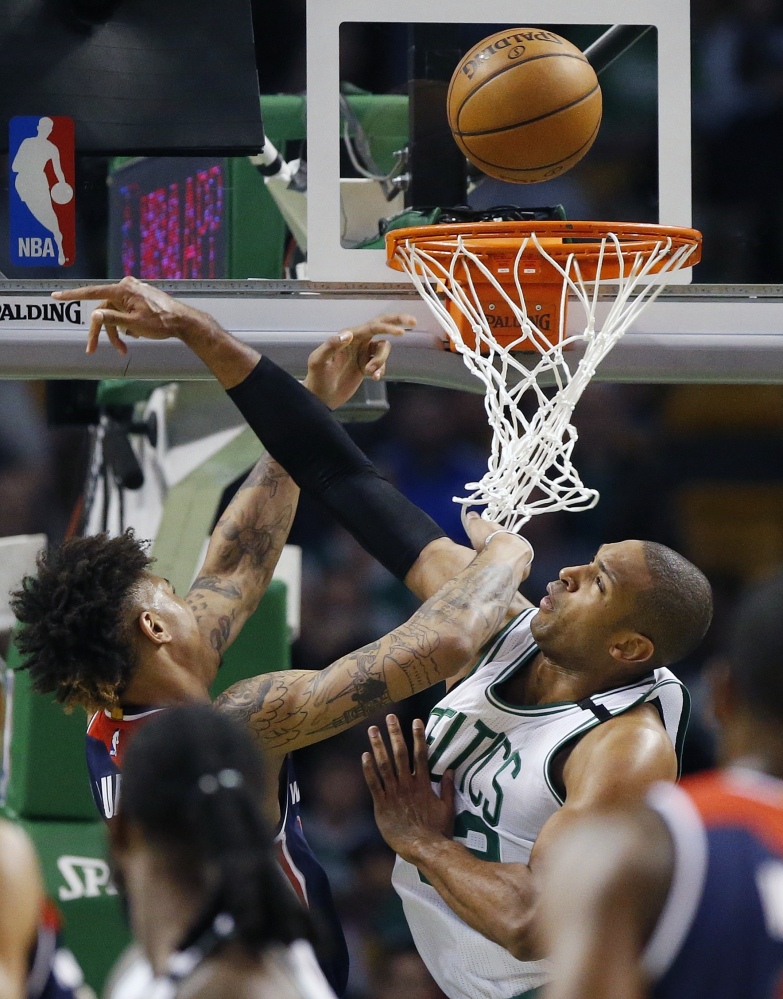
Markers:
(371, 776)
(114, 317)
(114, 339)
(420, 764)
(399, 320)
(110, 320)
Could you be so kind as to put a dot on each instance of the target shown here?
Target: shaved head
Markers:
(675, 609)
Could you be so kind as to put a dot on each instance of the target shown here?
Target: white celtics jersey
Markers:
(501, 756)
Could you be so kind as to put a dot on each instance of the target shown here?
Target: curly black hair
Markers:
(75, 628)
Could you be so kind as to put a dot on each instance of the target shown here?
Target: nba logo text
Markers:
(42, 206)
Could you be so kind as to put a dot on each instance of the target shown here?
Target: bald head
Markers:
(674, 609)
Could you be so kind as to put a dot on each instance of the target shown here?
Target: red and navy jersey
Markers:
(54, 972)
(108, 736)
(310, 882)
(720, 934)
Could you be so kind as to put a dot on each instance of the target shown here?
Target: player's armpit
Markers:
(604, 885)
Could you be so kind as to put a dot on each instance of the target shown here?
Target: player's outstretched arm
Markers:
(611, 767)
(604, 886)
(294, 708)
(135, 309)
(295, 427)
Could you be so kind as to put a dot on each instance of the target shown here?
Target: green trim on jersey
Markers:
(594, 722)
(493, 645)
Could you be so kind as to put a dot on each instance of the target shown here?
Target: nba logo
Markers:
(42, 209)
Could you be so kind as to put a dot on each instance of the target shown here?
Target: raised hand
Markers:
(407, 809)
(335, 370)
(134, 308)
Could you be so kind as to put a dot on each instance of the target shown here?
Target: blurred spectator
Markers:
(438, 441)
(337, 817)
(738, 139)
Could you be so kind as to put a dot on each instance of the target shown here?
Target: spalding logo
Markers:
(85, 877)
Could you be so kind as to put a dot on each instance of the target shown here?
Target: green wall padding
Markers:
(48, 772)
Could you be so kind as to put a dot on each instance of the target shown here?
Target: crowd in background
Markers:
(695, 467)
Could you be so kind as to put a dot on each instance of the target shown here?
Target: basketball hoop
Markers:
(502, 288)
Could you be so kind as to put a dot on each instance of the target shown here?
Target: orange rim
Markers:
(501, 240)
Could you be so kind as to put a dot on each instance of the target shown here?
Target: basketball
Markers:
(61, 193)
(524, 105)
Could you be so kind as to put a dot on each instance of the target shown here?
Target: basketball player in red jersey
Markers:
(683, 899)
(32, 965)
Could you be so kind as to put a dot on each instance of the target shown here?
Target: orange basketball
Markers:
(524, 105)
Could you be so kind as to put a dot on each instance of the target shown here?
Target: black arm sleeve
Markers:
(300, 433)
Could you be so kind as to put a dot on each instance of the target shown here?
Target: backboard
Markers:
(281, 259)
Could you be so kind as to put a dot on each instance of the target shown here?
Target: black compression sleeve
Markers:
(300, 433)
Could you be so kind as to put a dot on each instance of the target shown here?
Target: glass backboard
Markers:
(353, 100)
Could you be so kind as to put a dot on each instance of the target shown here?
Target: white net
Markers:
(530, 469)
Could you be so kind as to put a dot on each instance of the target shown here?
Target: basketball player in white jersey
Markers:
(570, 709)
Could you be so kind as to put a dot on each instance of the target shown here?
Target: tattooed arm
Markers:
(243, 552)
(294, 708)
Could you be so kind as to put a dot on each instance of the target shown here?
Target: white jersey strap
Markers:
(689, 838)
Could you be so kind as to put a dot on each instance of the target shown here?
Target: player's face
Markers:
(589, 606)
(176, 614)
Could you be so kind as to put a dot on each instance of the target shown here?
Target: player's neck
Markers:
(544, 681)
(159, 683)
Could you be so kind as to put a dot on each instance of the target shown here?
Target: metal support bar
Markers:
(613, 43)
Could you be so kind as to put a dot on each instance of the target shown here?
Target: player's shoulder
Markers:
(630, 750)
